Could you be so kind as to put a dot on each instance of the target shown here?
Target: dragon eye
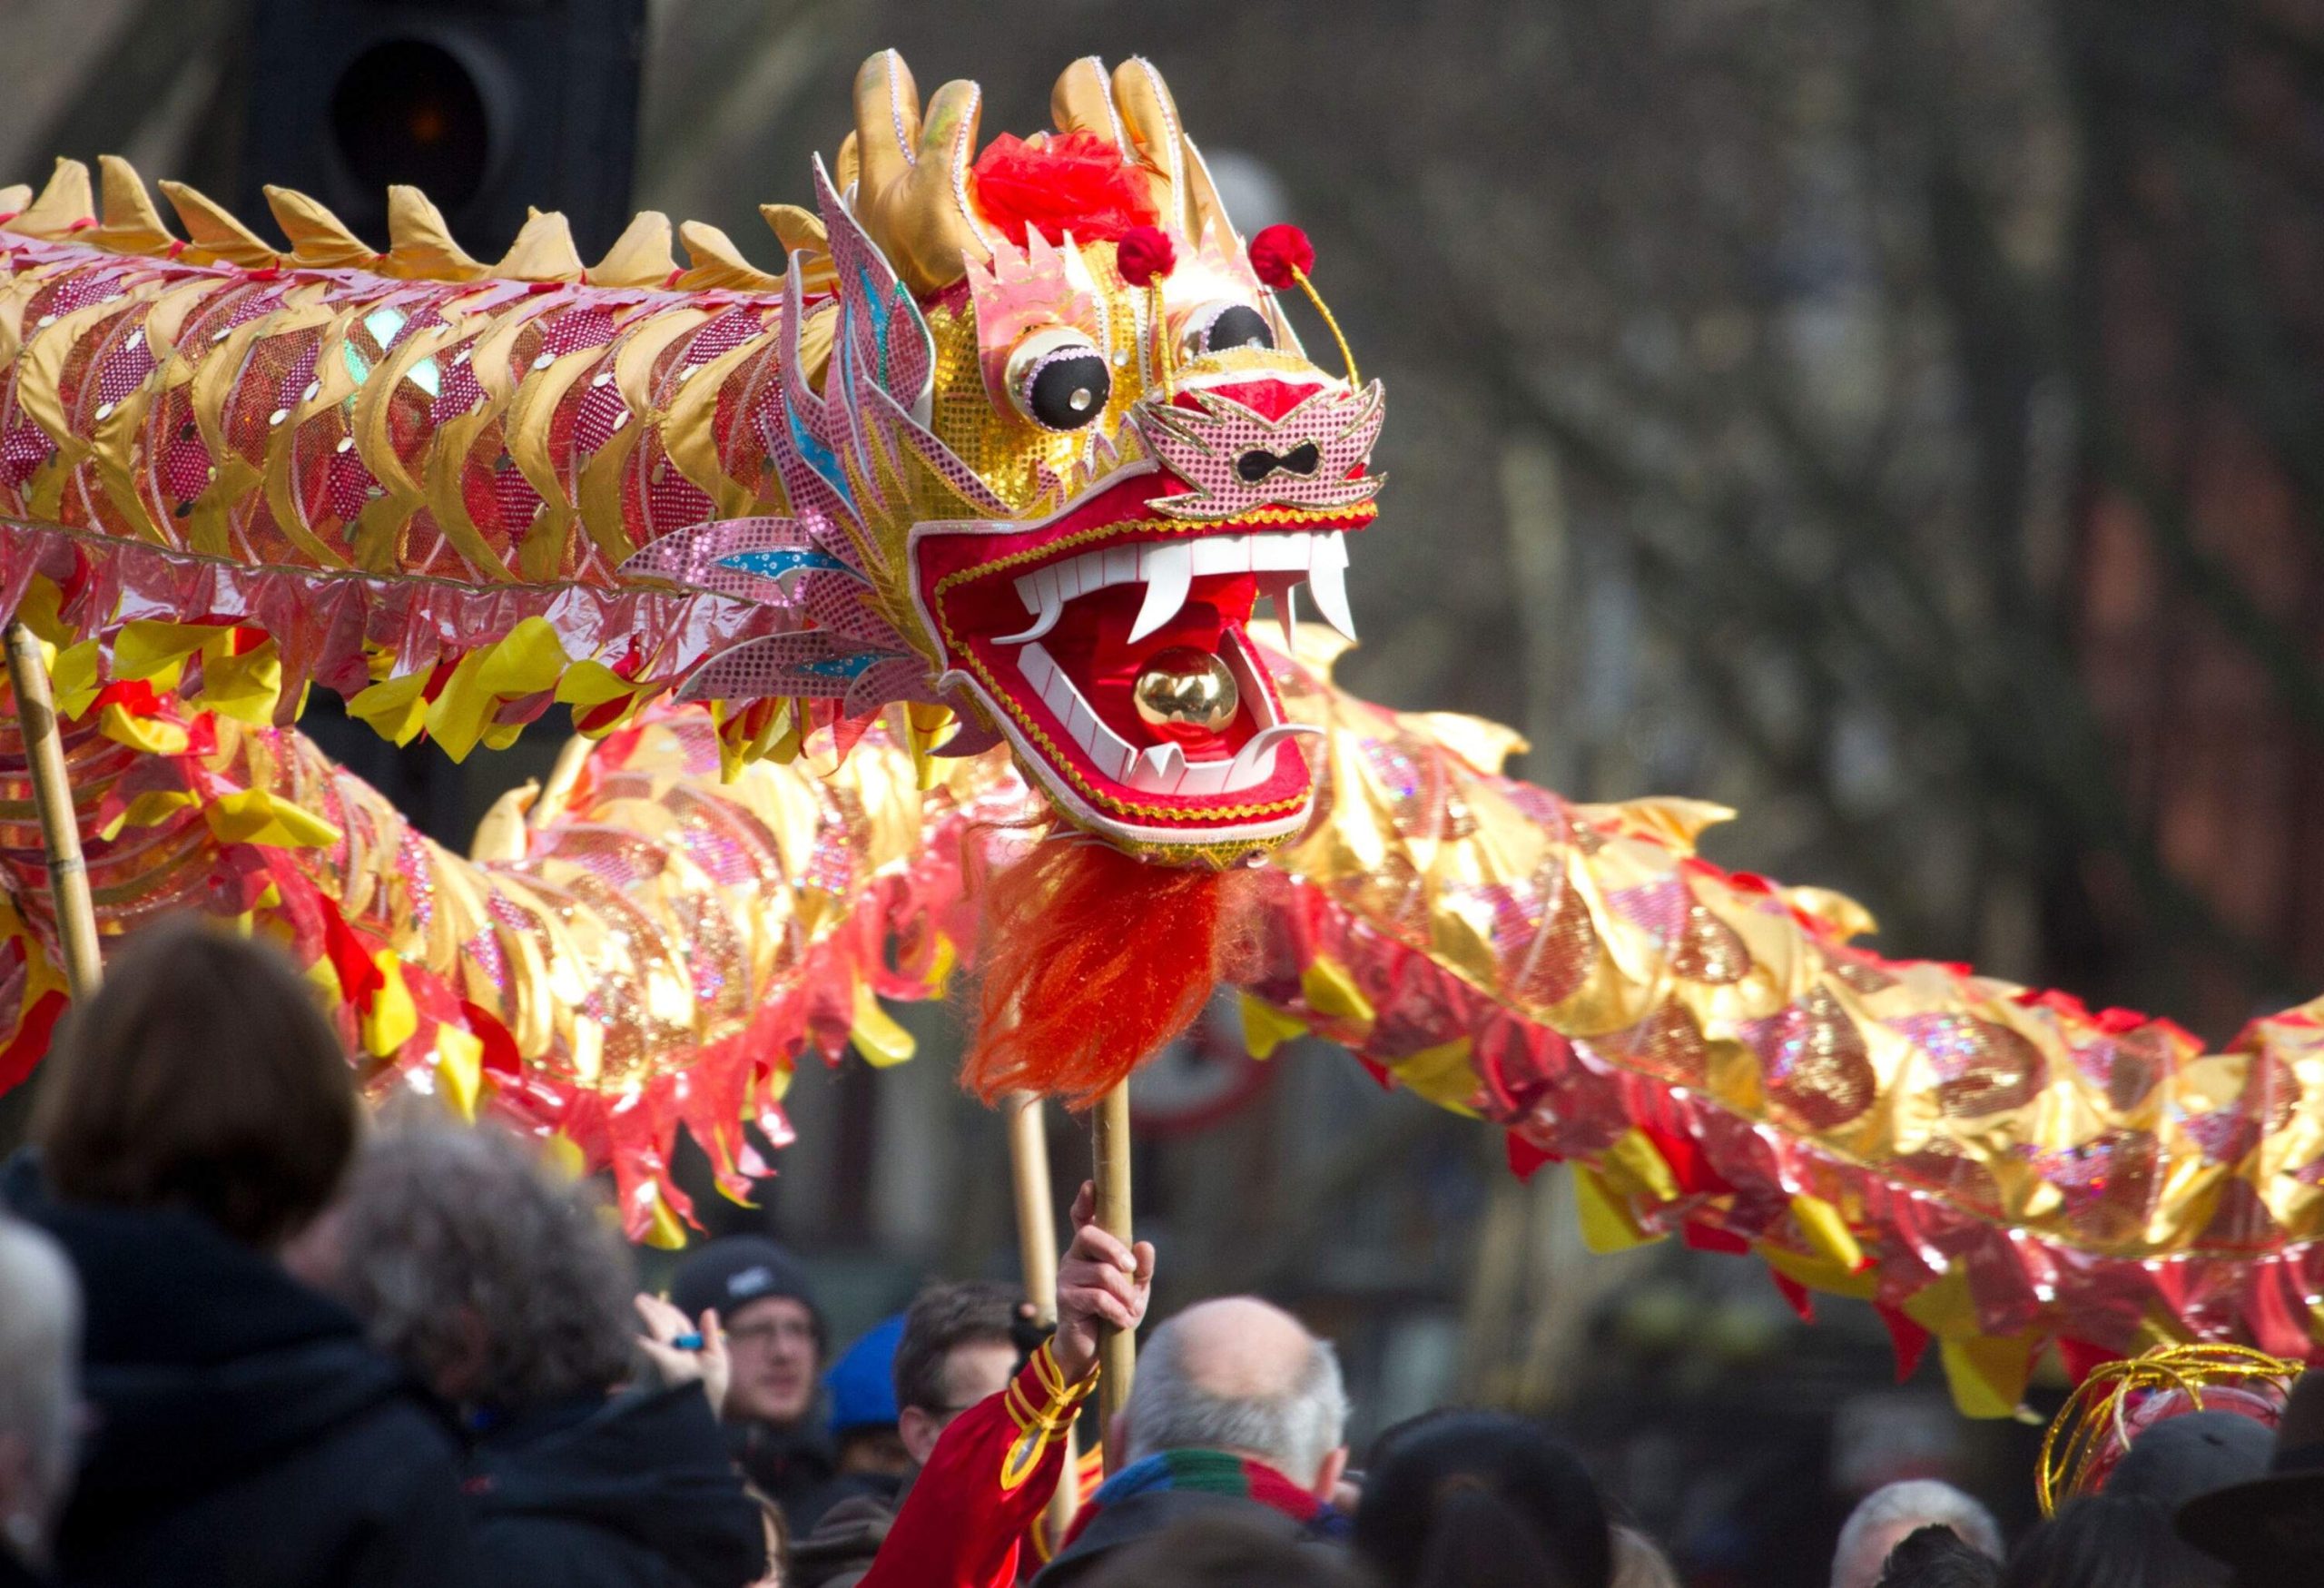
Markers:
(1222, 326)
(1058, 380)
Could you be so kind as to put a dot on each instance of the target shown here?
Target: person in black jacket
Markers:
(195, 1114)
(509, 1294)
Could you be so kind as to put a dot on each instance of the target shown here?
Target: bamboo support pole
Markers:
(1028, 1168)
(1109, 1153)
(68, 873)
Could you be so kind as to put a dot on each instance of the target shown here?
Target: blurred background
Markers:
(1896, 418)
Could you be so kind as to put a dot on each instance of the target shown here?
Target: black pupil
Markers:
(1238, 326)
(1068, 393)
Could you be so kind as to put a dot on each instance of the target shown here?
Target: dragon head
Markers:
(1061, 441)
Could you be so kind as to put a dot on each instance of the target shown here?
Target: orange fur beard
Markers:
(1092, 961)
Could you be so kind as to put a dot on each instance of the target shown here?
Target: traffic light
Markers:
(488, 106)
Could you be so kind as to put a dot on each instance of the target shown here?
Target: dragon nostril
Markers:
(1257, 463)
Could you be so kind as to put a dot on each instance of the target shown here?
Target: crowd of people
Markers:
(247, 1338)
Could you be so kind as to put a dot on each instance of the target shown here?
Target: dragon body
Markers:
(866, 576)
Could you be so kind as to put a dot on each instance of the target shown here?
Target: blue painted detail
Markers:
(849, 666)
(781, 560)
(818, 457)
(880, 313)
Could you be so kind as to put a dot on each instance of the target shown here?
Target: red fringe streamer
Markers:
(1092, 961)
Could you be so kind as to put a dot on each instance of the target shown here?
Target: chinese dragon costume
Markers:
(905, 604)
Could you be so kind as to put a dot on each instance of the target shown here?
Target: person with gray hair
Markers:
(40, 1343)
(1237, 1411)
(1885, 1517)
(505, 1289)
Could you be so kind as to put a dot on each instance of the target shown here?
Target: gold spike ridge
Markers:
(128, 221)
(718, 264)
(319, 238)
(543, 252)
(640, 256)
(64, 206)
(212, 233)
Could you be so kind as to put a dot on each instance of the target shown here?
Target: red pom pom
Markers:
(1075, 183)
(1144, 255)
(1282, 254)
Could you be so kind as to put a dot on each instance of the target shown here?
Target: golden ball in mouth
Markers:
(1186, 691)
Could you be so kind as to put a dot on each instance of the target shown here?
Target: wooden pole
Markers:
(1028, 1167)
(68, 874)
(1109, 1154)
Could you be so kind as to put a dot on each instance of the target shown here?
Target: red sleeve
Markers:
(989, 1476)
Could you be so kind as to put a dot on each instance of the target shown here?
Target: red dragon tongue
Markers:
(1092, 960)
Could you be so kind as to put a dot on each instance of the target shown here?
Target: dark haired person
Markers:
(2112, 1541)
(1478, 1500)
(1937, 1557)
(993, 1463)
(194, 1116)
(958, 1346)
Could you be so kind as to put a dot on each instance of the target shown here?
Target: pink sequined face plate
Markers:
(1110, 641)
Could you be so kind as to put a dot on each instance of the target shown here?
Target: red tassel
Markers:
(1525, 1158)
(1910, 1340)
(1092, 961)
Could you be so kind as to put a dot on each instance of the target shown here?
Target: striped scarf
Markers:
(1213, 1472)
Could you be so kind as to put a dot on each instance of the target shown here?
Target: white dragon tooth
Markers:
(1040, 593)
(1327, 582)
(1281, 551)
(1158, 769)
(1287, 614)
(1256, 762)
(1206, 777)
(1223, 553)
(1169, 576)
(1121, 565)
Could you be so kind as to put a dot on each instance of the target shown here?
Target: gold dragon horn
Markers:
(1183, 189)
(212, 234)
(1083, 102)
(911, 177)
(640, 256)
(64, 206)
(419, 243)
(543, 252)
(319, 238)
(127, 221)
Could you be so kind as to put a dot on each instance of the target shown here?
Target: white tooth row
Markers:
(1167, 569)
(1159, 768)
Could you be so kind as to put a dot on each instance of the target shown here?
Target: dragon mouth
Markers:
(1063, 628)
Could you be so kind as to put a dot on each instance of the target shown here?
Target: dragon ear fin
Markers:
(718, 265)
(128, 221)
(319, 238)
(214, 235)
(419, 243)
(848, 166)
(640, 256)
(800, 232)
(64, 206)
(543, 252)
(797, 229)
